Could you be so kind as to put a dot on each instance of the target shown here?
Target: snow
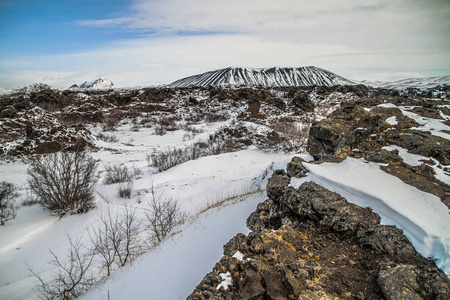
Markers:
(409, 158)
(238, 255)
(392, 120)
(434, 126)
(174, 269)
(424, 219)
(230, 181)
(304, 76)
(217, 193)
(387, 105)
(417, 83)
(226, 281)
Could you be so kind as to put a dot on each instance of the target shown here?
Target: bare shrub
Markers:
(71, 279)
(163, 216)
(116, 174)
(165, 124)
(63, 182)
(166, 159)
(293, 135)
(111, 123)
(124, 190)
(116, 239)
(7, 207)
(109, 138)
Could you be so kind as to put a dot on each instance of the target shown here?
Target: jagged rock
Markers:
(343, 131)
(386, 239)
(331, 210)
(399, 282)
(422, 143)
(384, 156)
(310, 243)
(295, 168)
(8, 111)
(352, 131)
(276, 184)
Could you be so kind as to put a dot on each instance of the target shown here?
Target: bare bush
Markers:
(166, 159)
(163, 216)
(116, 239)
(109, 138)
(63, 182)
(293, 135)
(116, 174)
(71, 279)
(7, 207)
(124, 190)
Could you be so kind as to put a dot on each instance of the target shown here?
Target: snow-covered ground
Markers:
(195, 185)
(173, 269)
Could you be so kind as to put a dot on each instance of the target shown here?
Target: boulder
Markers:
(295, 168)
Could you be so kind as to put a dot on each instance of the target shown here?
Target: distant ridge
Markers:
(98, 84)
(421, 83)
(271, 77)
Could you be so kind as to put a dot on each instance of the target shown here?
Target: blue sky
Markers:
(143, 42)
(35, 27)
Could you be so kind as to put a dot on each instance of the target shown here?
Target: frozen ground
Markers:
(196, 185)
(176, 266)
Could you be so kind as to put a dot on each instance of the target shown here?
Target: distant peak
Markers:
(101, 83)
(269, 77)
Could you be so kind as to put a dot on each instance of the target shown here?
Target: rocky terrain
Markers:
(46, 120)
(311, 243)
(306, 241)
(356, 132)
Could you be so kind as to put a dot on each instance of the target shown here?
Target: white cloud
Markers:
(179, 38)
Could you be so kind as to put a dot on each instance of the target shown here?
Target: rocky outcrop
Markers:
(310, 243)
(361, 133)
(354, 131)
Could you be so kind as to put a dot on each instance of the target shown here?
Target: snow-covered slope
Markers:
(418, 83)
(304, 76)
(98, 84)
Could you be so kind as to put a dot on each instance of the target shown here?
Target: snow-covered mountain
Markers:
(98, 84)
(272, 77)
(417, 83)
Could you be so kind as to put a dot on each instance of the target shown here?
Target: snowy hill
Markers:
(98, 84)
(416, 83)
(273, 77)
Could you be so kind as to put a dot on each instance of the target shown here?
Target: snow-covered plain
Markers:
(173, 269)
(196, 185)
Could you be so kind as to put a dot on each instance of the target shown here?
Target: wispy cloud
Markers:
(178, 38)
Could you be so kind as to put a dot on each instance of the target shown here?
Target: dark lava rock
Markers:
(277, 183)
(295, 168)
(383, 156)
(353, 131)
(310, 243)
(399, 282)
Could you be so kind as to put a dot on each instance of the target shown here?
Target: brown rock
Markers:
(295, 168)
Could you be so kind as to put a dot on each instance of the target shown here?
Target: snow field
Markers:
(198, 186)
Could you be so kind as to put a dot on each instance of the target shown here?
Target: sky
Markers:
(150, 42)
